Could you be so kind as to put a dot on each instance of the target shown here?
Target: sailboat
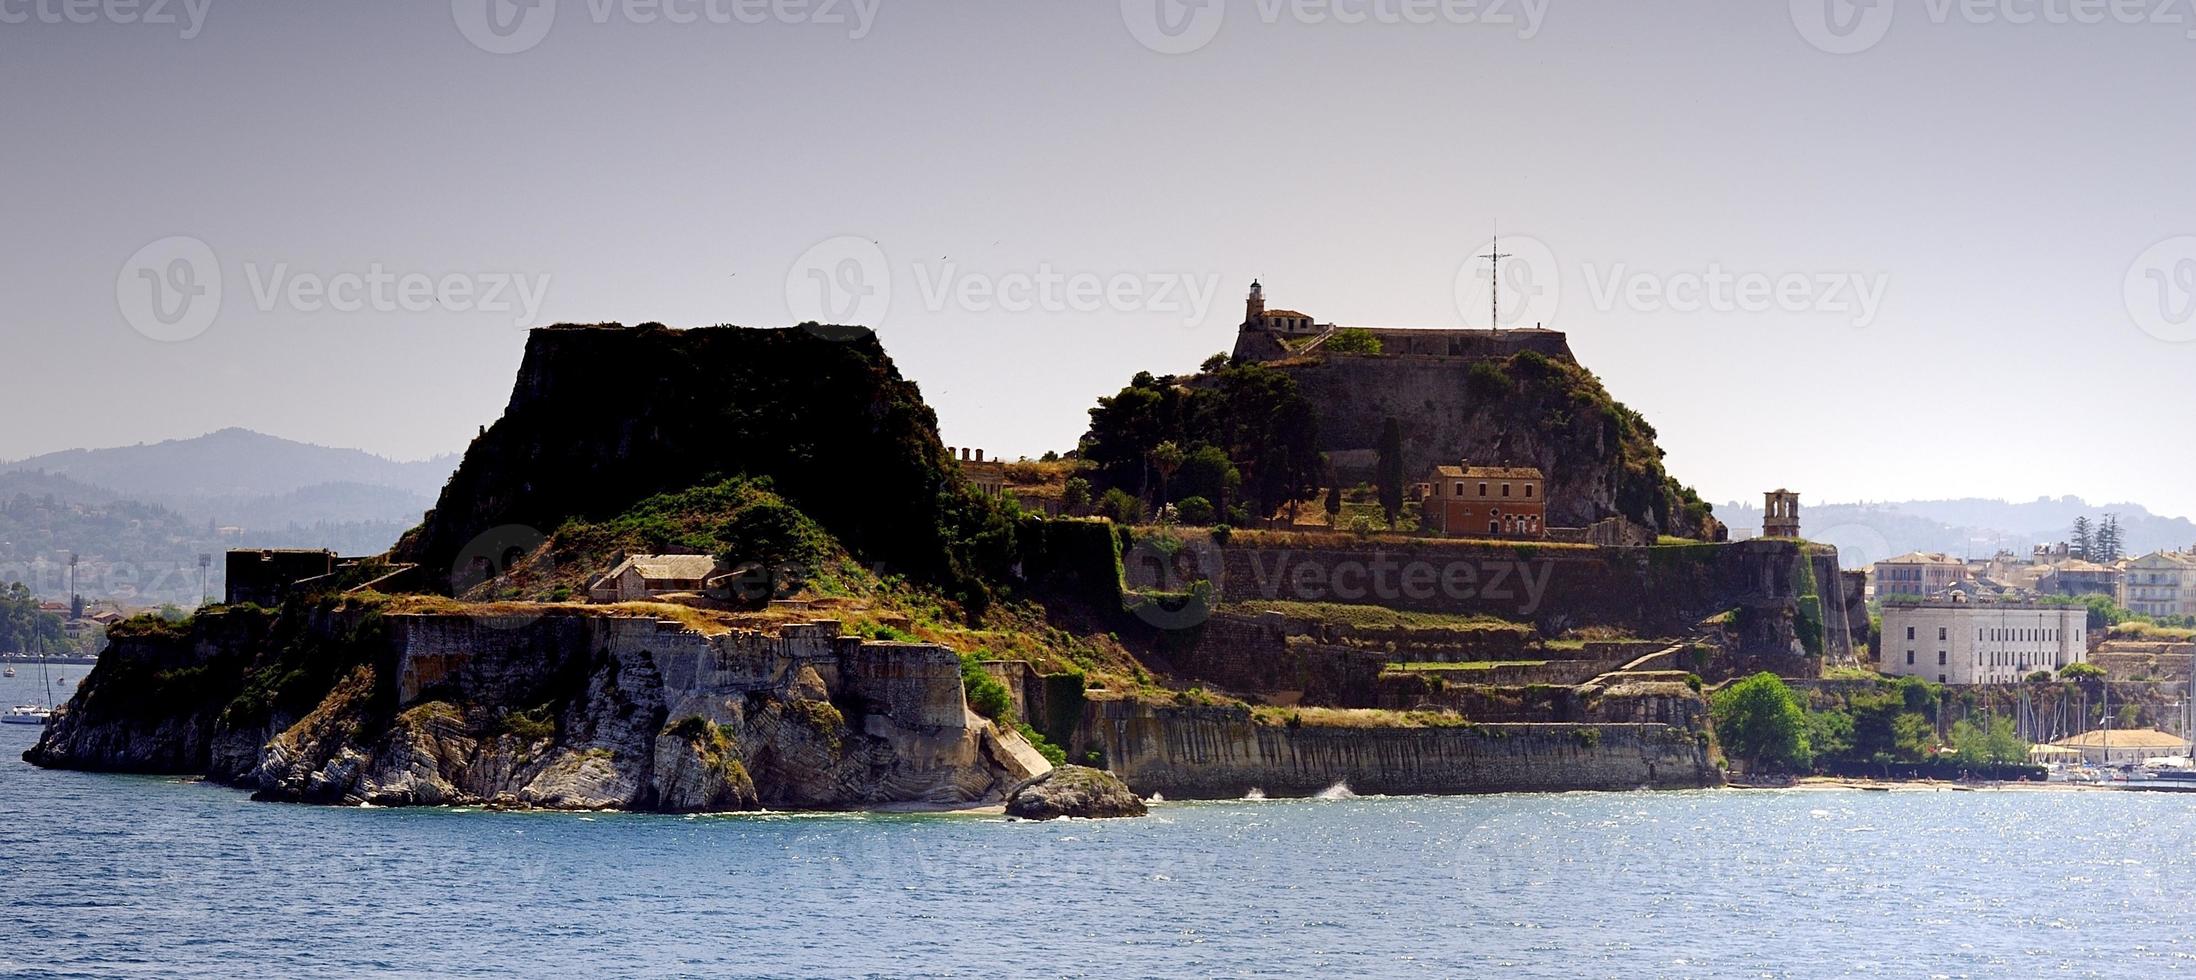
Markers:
(32, 714)
(9, 672)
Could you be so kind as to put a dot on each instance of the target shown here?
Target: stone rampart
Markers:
(1222, 753)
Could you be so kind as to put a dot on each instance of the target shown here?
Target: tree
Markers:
(1075, 499)
(25, 628)
(1122, 507)
(1206, 472)
(1334, 506)
(1255, 415)
(1166, 457)
(1760, 720)
(2108, 540)
(1389, 472)
(2084, 543)
(1993, 742)
(1215, 364)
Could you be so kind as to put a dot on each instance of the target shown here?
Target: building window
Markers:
(1483, 490)
(1941, 633)
(1505, 489)
(1910, 658)
(1909, 632)
(1940, 658)
(1459, 489)
(1528, 491)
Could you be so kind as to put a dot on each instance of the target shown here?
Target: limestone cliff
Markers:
(352, 704)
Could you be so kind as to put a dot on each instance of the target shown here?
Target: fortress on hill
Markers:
(1478, 395)
(1268, 335)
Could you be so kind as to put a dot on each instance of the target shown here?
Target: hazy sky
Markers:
(1924, 268)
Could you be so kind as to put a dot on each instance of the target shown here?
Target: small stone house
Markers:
(647, 576)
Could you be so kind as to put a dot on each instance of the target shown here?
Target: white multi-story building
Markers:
(2162, 583)
(1957, 642)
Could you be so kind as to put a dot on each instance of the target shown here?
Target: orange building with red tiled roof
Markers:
(1485, 501)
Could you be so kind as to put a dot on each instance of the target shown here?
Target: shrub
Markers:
(986, 696)
(1121, 507)
(1353, 341)
(1194, 510)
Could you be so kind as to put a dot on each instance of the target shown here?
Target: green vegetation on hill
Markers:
(1248, 419)
(741, 521)
(1570, 410)
(24, 628)
(1350, 340)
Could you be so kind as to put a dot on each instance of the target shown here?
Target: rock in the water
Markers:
(1074, 791)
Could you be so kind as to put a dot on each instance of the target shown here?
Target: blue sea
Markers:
(137, 876)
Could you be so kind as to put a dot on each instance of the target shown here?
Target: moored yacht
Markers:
(26, 714)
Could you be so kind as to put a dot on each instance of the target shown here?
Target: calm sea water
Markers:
(138, 876)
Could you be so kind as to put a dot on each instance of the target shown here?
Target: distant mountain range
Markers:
(1967, 528)
(140, 515)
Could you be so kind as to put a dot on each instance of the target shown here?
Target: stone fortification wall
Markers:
(1776, 587)
(1222, 753)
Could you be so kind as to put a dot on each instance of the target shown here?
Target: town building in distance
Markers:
(1917, 575)
(1955, 640)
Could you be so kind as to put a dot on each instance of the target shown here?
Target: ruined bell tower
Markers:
(1780, 514)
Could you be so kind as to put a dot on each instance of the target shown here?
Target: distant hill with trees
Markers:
(139, 516)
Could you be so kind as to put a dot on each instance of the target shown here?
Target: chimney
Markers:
(979, 455)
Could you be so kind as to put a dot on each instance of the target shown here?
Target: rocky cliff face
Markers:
(604, 416)
(562, 711)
